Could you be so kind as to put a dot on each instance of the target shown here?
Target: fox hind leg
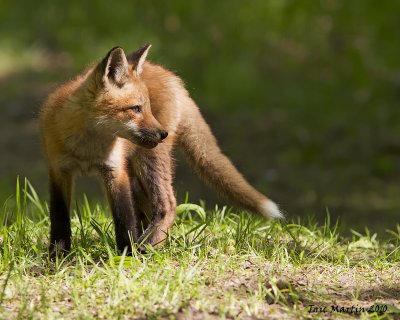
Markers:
(156, 177)
(141, 203)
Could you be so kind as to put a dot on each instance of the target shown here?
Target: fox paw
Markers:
(59, 248)
(153, 236)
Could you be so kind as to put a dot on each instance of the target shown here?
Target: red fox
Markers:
(120, 120)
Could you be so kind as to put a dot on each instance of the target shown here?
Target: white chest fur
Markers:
(117, 156)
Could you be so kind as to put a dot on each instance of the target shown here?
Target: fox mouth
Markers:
(146, 139)
(148, 144)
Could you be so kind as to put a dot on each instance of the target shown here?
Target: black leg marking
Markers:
(60, 227)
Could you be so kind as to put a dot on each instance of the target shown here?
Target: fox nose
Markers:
(163, 134)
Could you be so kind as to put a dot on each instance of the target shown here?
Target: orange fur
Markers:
(112, 120)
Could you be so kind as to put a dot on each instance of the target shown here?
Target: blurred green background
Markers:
(302, 95)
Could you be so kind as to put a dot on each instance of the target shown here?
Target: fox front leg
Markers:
(60, 227)
(119, 193)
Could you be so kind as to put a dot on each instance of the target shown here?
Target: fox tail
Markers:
(215, 169)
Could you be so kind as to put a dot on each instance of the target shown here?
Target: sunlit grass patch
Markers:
(215, 263)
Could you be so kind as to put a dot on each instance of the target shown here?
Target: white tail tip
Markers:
(269, 209)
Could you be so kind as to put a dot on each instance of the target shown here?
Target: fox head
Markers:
(122, 103)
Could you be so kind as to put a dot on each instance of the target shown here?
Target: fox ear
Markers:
(115, 67)
(137, 58)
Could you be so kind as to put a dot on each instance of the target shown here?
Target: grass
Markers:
(215, 264)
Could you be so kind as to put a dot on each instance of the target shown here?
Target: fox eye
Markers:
(136, 108)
